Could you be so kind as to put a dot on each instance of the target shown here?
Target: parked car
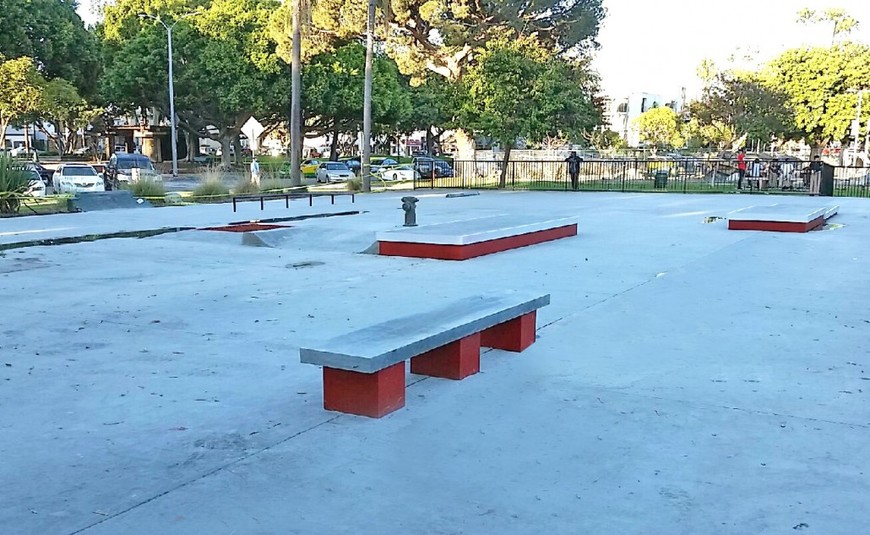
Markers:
(125, 168)
(77, 178)
(381, 163)
(333, 172)
(36, 187)
(44, 173)
(425, 165)
(399, 172)
(353, 162)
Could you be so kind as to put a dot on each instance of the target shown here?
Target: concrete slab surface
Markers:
(686, 379)
(785, 212)
(476, 229)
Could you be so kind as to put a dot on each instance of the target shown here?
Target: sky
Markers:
(655, 47)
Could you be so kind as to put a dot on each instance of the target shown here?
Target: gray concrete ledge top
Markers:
(786, 213)
(378, 346)
(476, 230)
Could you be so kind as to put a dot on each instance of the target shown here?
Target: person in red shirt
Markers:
(741, 167)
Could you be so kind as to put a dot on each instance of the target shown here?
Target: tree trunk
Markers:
(226, 143)
(192, 146)
(333, 147)
(4, 124)
(464, 145)
(237, 149)
(27, 138)
(429, 140)
(502, 180)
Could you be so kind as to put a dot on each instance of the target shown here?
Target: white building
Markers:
(15, 137)
(622, 112)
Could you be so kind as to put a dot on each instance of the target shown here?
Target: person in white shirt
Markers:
(255, 171)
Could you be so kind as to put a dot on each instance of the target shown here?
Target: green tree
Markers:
(444, 35)
(54, 36)
(660, 128)
(62, 107)
(741, 103)
(20, 92)
(333, 93)
(518, 89)
(842, 22)
(821, 85)
(226, 66)
(435, 104)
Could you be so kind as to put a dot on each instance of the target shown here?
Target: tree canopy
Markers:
(54, 36)
(660, 128)
(822, 84)
(20, 92)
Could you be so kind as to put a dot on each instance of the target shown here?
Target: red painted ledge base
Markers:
(472, 250)
(514, 335)
(366, 394)
(776, 226)
(456, 360)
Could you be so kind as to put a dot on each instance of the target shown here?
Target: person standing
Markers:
(255, 171)
(741, 167)
(815, 175)
(574, 169)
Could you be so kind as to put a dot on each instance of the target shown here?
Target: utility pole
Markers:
(365, 167)
(296, 98)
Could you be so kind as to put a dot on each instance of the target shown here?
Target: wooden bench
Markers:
(364, 370)
(287, 196)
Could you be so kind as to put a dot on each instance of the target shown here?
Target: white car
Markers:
(77, 178)
(400, 172)
(36, 187)
(333, 172)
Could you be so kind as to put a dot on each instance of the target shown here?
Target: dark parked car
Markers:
(425, 166)
(125, 168)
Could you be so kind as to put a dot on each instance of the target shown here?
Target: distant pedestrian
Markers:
(741, 167)
(574, 162)
(255, 172)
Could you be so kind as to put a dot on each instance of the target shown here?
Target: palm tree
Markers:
(365, 164)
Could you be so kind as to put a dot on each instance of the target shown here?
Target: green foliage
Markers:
(660, 128)
(14, 181)
(842, 22)
(61, 105)
(226, 68)
(734, 104)
(442, 35)
(354, 184)
(332, 97)
(148, 189)
(20, 92)
(518, 89)
(52, 33)
(818, 82)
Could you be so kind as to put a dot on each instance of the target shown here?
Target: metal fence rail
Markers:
(689, 175)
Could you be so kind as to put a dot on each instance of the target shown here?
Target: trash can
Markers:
(661, 179)
(826, 187)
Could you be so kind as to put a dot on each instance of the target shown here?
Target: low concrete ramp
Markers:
(268, 238)
(108, 200)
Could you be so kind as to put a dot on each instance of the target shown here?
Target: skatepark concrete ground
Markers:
(685, 379)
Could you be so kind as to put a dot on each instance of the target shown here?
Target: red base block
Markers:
(464, 252)
(366, 394)
(514, 335)
(776, 226)
(456, 360)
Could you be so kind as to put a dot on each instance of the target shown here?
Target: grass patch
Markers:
(147, 189)
(211, 190)
(246, 187)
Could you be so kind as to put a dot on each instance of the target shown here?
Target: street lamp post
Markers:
(172, 120)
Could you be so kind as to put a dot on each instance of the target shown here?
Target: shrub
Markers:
(245, 187)
(14, 181)
(211, 190)
(148, 189)
(354, 184)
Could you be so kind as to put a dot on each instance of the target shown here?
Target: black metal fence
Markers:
(689, 175)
